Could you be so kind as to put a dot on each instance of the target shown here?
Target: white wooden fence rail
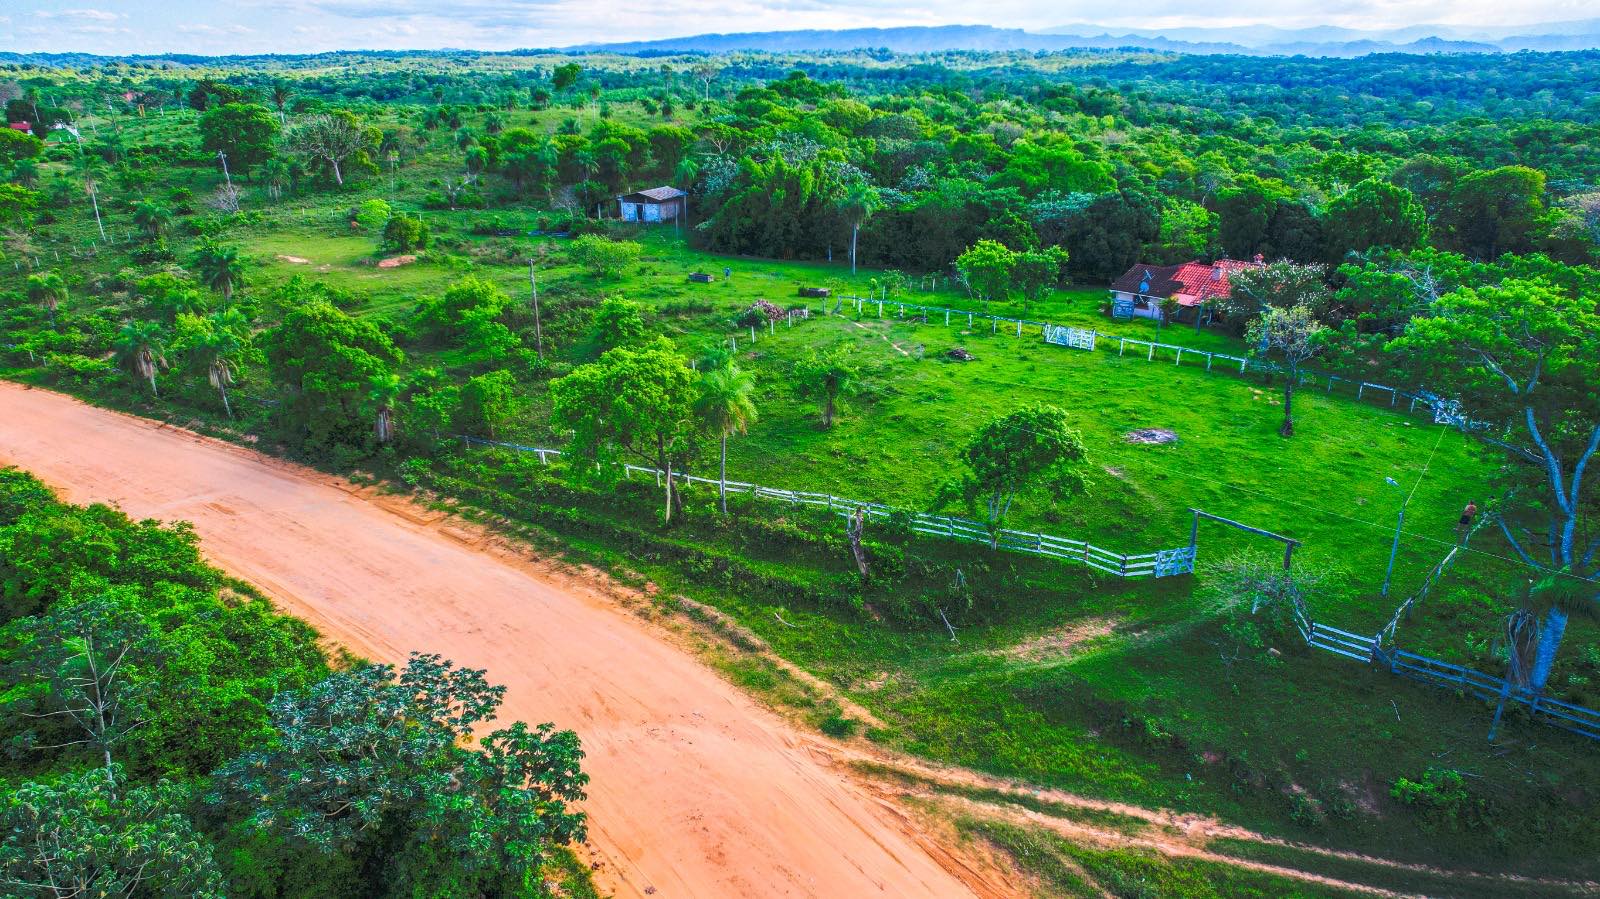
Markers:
(949, 527)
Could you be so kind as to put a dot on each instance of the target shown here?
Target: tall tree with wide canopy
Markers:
(1525, 354)
(378, 760)
(1030, 450)
(215, 344)
(634, 401)
(80, 835)
(245, 132)
(1375, 214)
(325, 360)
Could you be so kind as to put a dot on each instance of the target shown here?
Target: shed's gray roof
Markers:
(658, 194)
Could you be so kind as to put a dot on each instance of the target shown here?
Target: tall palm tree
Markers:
(218, 347)
(280, 96)
(141, 346)
(152, 217)
(220, 267)
(1556, 599)
(276, 174)
(860, 200)
(25, 172)
(48, 290)
(383, 392)
(726, 407)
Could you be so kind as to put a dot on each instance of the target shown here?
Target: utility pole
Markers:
(533, 282)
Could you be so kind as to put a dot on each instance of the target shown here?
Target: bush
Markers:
(1442, 798)
(405, 233)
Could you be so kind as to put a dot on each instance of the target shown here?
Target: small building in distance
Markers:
(24, 127)
(658, 204)
(1144, 289)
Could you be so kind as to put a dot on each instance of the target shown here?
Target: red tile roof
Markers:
(1190, 283)
(21, 126)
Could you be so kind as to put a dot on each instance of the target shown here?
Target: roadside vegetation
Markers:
(401, 257)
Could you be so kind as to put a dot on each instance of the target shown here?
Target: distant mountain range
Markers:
(1256, 40)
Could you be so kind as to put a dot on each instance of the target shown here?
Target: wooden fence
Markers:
(1443, 411)
(1165, 563)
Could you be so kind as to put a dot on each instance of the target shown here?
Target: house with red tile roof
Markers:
(24, 127)
(1143, 291)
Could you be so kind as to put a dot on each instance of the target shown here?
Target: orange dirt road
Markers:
(697, 790)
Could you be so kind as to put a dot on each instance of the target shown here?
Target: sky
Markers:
(305, 26)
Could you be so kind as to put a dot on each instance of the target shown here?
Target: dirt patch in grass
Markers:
(1062, 641)
(397, 261)
(293, 260)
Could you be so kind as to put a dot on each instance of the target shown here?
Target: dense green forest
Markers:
(332, 255)
(168, 734)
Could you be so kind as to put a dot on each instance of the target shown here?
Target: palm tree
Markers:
(48, 290)
(1556, 599)
(726, 407)
(858, 203)
(221, 268)
(152, 217)
(275, 173)
(383, 392)
(25, 172)
(141, 346)
(280, 96)
(218, 348)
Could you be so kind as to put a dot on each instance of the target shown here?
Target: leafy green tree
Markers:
(1282, 284)
(1294, 335)
(325, 360)
(1492, 212)
(90, 660)
(245, 132)
(726, 406)
(617, 322)
(17, 202)
(489, 402)
(1376, 214)
(372, 755)
(141, 347)
(634, 401)
(986, 268)
(220, 267)
(1525, 355)
(16, 146)
(1244, 214)
(602, 257)
(332, 139)
(372, 214)
(565, 76)
(829, 375)
(1037, 272)
(1030, 450)
(81, 836)
(405, 233)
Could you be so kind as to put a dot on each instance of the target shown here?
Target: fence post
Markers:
(1179, 360)
(1360, 390)
(880, 309)
(1152, 356)
(947, 316)
(1122, 345)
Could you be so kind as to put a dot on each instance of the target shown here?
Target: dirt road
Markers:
(697, 791)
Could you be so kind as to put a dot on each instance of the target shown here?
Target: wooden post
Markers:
(1019, 327)
(947, 316)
